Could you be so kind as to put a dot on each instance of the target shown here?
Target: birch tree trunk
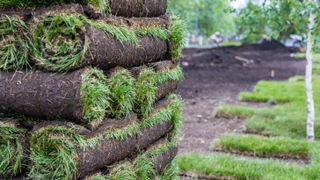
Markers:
(308, 81)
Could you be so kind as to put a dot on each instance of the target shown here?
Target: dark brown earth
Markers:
(214, 77)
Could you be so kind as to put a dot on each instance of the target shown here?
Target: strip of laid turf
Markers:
(257, 146)
(15, 43)
(139, 44)
(286, 119)
(60, 152)
(80, 96)
(12, 147)
(243, 169)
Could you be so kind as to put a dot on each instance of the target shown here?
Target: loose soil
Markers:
(216, 76)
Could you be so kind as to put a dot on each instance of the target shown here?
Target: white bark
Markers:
(308, 79)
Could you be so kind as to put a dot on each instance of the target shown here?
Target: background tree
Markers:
(205, 17)
(280, 19)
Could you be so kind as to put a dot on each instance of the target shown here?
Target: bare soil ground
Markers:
(216, 76)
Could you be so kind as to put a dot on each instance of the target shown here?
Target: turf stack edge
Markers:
(151, 163)
(81, 155)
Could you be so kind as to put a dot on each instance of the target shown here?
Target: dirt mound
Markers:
(265, 45)
(224, 57)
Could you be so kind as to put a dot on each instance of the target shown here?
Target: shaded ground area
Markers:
(216, 76)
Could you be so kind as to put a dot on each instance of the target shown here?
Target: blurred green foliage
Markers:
(205, 16)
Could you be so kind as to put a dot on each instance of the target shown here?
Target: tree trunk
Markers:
(308, 81)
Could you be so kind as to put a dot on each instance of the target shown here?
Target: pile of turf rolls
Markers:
(87, 89)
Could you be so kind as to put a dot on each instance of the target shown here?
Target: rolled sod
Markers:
(64, 43)
(154, 83)
(123, 92)
(96, 8)
(63, 152)
(13, 148)
(80, 96)
(148, 165)
(15, 43)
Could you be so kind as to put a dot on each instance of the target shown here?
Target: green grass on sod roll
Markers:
(144, 166)
(147, 86)
(123, 93)
(95, 95)
(15, 43)
(57, 157)
(11, 148)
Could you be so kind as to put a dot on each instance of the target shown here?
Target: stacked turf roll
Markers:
(86, 89)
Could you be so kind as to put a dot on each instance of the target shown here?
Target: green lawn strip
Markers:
(231, 43)
(278, 147)
(243, 112)
(316, 56)
(244, 168)
(287, 119)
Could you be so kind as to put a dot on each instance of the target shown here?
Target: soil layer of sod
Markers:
(60, 151)
(79, 96)
(138, 8)
(96, 8)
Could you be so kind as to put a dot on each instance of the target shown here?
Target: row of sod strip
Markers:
(287, 118)
(80, 96)
(63, 43)
(284, 123)
(244, 168)
(12, 147)
(57, 152)
(257, 146)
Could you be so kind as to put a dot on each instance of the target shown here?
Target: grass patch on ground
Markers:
(231, 43)
(243, 168)
(263, 146)
(285, 123)
(288, 118)
(316, 56)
